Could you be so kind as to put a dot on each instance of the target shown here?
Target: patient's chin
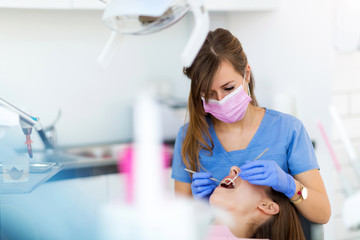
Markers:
(213, 200)
(216, 200)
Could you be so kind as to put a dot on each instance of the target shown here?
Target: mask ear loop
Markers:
(247, 84)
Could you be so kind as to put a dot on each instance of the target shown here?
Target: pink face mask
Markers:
(231, 108)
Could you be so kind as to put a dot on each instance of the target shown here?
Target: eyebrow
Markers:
(227, 83)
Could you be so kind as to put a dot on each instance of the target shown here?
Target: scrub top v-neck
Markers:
(255, 141)
(285, 136)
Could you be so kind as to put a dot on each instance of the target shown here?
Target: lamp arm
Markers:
(199, 33)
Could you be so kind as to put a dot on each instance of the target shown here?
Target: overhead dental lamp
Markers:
(139, 17)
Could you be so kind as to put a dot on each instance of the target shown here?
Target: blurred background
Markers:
(305, 55)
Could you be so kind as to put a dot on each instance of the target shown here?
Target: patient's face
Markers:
(240, 198)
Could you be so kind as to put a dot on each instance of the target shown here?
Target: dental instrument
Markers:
(27, 130)
(259, 156)
(190, 171)
(232, 180)
(26, 121)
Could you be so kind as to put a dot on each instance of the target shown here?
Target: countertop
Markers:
(89, 161)
(75, 166)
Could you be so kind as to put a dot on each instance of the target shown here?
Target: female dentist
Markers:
(227, 127)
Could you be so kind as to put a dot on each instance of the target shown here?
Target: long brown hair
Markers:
(220, 45)
(284, 225)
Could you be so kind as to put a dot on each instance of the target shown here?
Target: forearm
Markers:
(182, 189)
(316, 207)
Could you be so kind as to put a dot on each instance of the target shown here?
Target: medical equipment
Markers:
(151, 213)
(232, 180)
(138, 17)
(27, 129)
(190, 171)
(143, 17)
(27, 122)
(354, 160)
(259, 156)
(351, 210)
(344, 181)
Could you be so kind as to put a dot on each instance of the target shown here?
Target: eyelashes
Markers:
(212, 94)
(229, 88)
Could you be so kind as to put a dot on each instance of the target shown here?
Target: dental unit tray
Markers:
(37, 167)
(39, 173)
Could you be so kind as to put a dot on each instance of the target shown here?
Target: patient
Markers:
(257, 211)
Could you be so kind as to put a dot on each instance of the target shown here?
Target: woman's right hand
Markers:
(202, 186)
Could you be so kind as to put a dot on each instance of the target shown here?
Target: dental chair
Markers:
(312, 231)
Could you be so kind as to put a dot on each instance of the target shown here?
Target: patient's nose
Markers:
(234, 171)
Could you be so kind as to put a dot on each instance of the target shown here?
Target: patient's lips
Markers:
(227, 183)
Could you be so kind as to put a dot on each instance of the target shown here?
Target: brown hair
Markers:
(220, 45)
(284, 225)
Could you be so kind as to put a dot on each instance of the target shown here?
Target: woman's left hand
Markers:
(268, 173)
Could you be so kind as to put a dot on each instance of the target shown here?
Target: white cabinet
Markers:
(66, 209)
(241, 5)
(88, 4)
(53, 4)
(36, 4)
(211, 5)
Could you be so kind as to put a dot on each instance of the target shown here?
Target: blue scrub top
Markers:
(285, 136)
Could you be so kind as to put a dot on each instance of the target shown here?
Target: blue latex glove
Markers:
(202, 186)
(268, 173)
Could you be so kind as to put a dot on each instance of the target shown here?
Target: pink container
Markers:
(126, 166)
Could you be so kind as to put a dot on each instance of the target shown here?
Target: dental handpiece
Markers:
(27, 132)
(188, 170)
(27, 129)
(29, 148)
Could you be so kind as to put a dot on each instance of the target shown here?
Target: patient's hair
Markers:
(284, 225)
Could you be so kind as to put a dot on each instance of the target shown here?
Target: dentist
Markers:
(227, 128)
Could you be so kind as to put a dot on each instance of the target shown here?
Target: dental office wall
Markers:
(48, 62)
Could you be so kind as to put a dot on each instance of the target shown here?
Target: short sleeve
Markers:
(178, 166)
(301, 155)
